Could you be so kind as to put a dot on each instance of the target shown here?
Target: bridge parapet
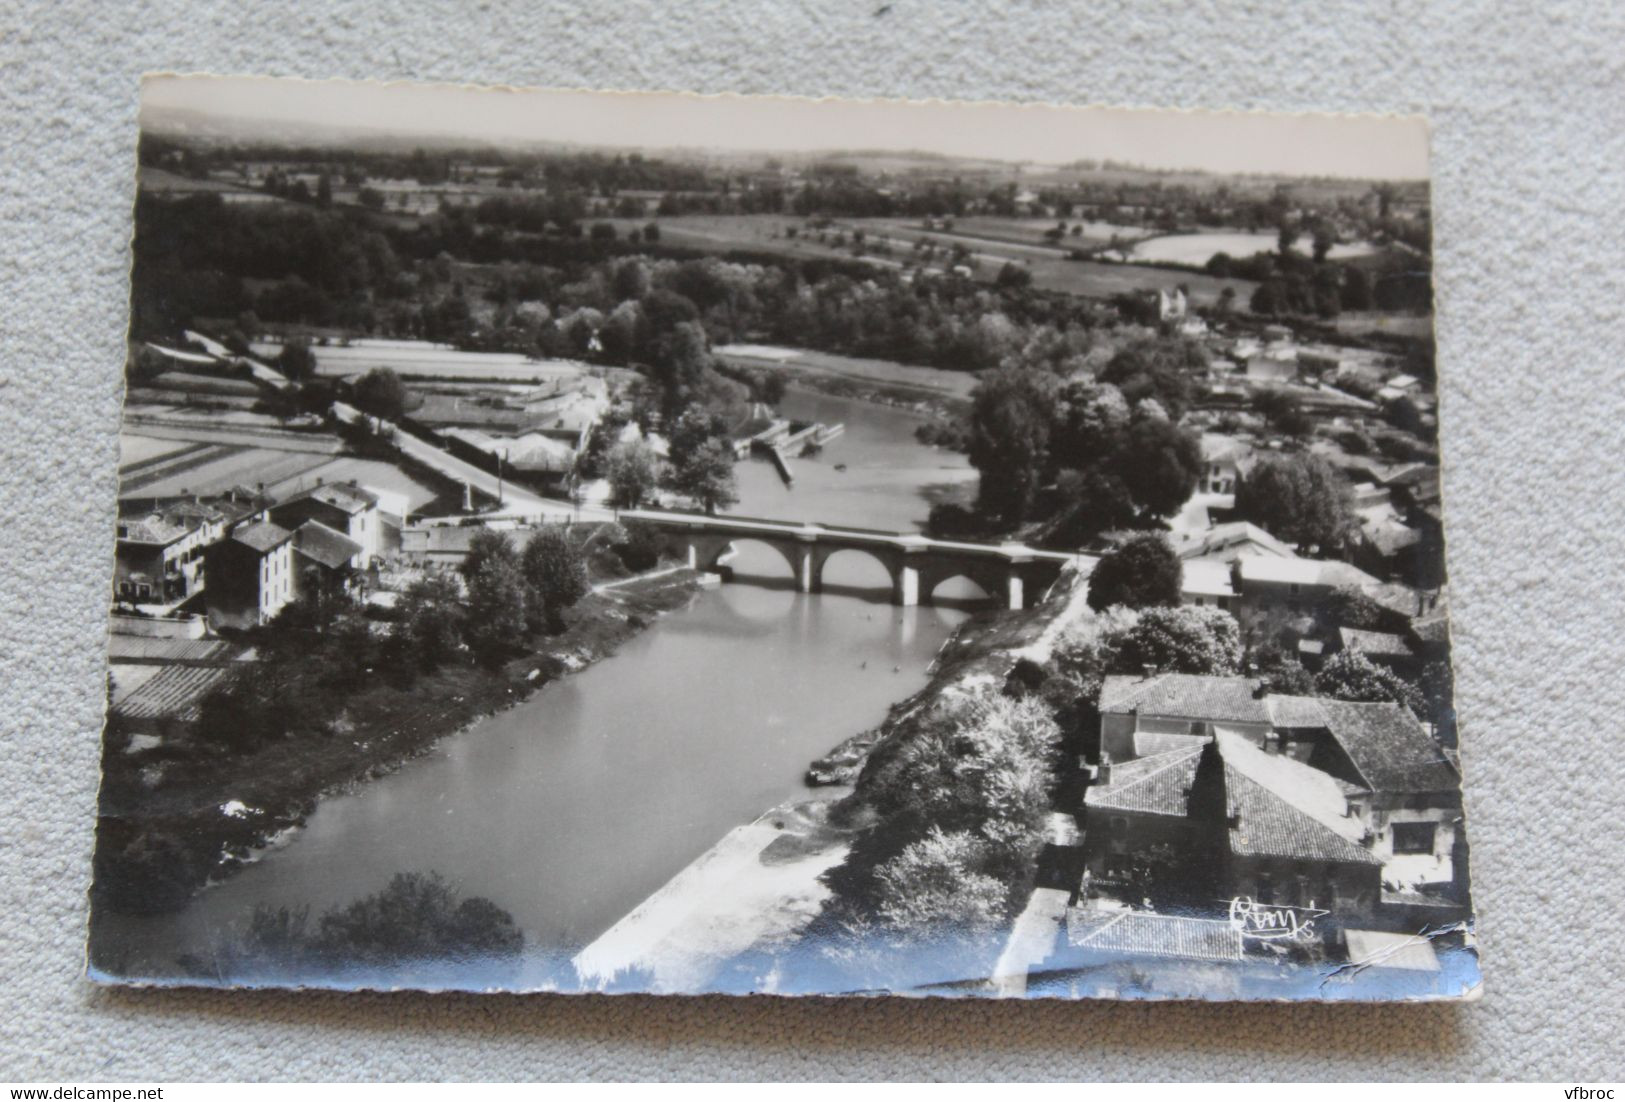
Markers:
(916, 563)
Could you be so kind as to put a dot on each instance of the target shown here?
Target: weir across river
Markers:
(1011, 572)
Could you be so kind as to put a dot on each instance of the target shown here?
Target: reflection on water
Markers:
(571, 808)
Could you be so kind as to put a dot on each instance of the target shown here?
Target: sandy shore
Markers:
(752, 892)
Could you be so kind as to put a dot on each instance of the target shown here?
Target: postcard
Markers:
(591, 542)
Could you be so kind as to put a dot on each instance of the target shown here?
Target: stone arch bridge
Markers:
(1014, 573)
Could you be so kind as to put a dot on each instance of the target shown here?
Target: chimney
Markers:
(1103, 773)
(1149, 670)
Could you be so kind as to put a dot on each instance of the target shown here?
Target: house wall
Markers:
(1343, 889)
(1412, 870)
(276, 580)
(247, 588)
(1113, 838)
(1295, 597)
(137, 565)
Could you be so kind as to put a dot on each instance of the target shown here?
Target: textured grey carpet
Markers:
(1529, 142)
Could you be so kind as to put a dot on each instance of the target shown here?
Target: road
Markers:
(516, 500)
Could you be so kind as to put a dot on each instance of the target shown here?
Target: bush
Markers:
(949, 521)
(1177, 640)
(1354, 677)
(417, 919)
(933, 888)
(640, 550)
(1143, 572)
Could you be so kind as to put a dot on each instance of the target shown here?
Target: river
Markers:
(571, 808)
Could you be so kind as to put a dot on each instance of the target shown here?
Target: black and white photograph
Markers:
(603, 542)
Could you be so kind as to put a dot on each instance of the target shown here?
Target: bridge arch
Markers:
(879, 572)
(989, 587)
(790, 553)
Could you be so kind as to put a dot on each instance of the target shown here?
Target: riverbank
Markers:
(728, 921)
(175, 817)
(720, 923)
(983, 651)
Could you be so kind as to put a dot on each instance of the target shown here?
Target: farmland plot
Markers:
(237, 467)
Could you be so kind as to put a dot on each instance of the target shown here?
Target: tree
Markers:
(380, 393)
(297, 361)
(1348, 675)
(1284, 411)
(696, 427)
(633, 471)
(1348, 607)
(1009, 438)
(1322, 238)
(706, 476)
(1356, 289)
(416, 919)
(1088, 424)
(483, 546)
(496, 608)
(933, 888)
(555, 573)
(1403, 414)
(432, 618)
(1177, 640)
(1287, 236)
(680, 359)
(1143, 572)
(1270, 297)
(1297, 498)
(1159, 462)
(371, 198)
(1013, 277)
(640, 549)
(324, 190)
(1157, 367)
(1090, 502)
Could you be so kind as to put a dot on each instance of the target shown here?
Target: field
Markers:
(1198, 248)
(223, 469)
(1025, 235)
(142, 449)
(1099, 279)
(1051, 269)
(421, 360)
(173, 184)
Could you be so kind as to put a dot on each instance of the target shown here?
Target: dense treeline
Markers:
(552, 295)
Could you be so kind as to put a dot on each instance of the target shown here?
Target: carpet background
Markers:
(1529, 141)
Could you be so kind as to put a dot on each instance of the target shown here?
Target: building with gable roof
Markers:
(326, 561)
(1392, 775)
(1145, 715)
(1230, 542)
(251, 575)
(342, 506)
(159, 556)
(1223, 819)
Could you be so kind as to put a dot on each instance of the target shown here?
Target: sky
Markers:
(1361, 146)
